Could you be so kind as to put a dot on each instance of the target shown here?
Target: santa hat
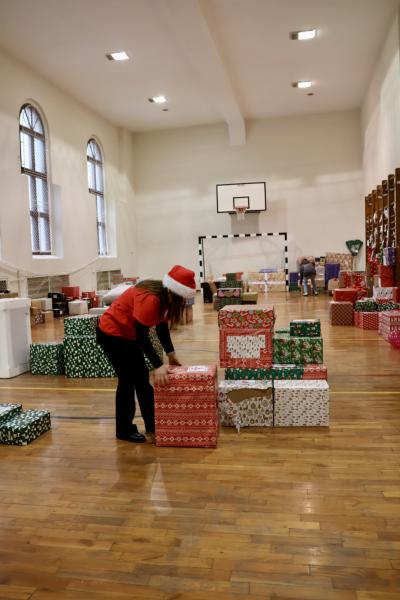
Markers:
(180, 281)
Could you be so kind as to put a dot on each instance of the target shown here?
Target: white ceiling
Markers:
(215, 60)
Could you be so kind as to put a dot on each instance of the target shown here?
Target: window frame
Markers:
(33, 175)
(98, 193)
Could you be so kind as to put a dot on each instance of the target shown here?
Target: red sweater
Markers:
(134, 305)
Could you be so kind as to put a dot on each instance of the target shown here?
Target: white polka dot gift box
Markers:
(246, 403)
(303, 403)
(25, 427)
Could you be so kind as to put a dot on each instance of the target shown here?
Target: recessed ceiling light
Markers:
(306, 34)
(302, 84)
(117, 56)
(158, 99)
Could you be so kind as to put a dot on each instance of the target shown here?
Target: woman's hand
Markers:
(160, 375)
(173, 361)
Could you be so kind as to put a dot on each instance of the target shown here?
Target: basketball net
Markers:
(240, 212)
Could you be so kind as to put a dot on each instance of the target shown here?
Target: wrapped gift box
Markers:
(341, 313)
(72, 291)
(345, 295)
(78, 307)
(245, 347)
(9, 411)
(344, 259)
(306, 350)
(25, 427)
(83, 357)
(333, 284)
(47, 358)
(332, 271)
(229, 292)
(275, 372)
(277, 276)
(315, 372)
(366, 320)
(367, 305)
(276, 286)
(91, 295)
(186, 408)
(389, 321)
(262, 317)
(84, 325)
(282, 349)
(301, 403)
(249, 297)
(222, 302)
(36, 316)
(390, 256)
(254, 277)
(305, 328)
(246, 403)
(282, 330)
(345, 279)
(257, 286)
(48, 316)
(385, 305)
(46, 304)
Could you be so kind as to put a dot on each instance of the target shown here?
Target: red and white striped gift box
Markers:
(389, 321)
(186, 408)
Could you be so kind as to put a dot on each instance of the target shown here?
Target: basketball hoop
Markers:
(240, 212)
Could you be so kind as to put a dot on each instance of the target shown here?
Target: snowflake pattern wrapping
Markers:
(186, 409)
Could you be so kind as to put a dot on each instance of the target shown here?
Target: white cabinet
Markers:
(15, 336)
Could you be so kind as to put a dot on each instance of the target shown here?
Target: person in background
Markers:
(123, 334)
(307, 271)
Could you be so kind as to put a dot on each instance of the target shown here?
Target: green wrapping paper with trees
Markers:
(47, 358)
(297, 350)
(9, 411)
(305, 328)
(25, 427)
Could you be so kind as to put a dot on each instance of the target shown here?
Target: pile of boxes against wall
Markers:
(70, 301)
(270, 380)
(382, 232)
(79, 354)
(234, 288)
(18, 427)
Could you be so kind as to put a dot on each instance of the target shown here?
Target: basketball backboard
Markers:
(231, 196)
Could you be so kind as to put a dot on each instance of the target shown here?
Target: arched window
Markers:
(96, 187)
(33, 164)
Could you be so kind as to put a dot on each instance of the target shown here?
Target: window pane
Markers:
(40, 157)
(26, 150)
(33, 195)
(91, 175)
(99, 178)
(44, 234)
(35, 234)
(100, 209)
(41, 196)
(101, 233)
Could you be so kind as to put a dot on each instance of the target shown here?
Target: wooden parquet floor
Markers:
(299, 514)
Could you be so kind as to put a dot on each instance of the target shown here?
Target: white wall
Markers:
(312, 166)
(381, 114)
(69, 126)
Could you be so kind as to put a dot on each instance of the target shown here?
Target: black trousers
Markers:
(126, 356)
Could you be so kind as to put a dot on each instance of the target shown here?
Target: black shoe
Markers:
(135, 437)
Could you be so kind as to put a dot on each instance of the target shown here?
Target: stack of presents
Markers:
(380, 311)
(233, 289)
(18, 427)
(79, 354)
(70, 301)
(271, 380)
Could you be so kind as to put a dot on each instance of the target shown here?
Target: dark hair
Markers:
(169, 302)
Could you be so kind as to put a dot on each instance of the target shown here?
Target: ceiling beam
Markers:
(191, 30)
